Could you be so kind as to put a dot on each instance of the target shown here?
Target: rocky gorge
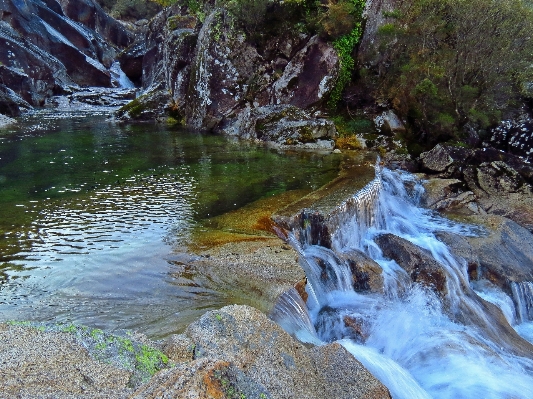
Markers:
(204, 72)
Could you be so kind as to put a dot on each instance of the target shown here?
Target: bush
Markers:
(454, 62)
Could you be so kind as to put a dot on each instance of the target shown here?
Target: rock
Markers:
(6, 121)
(460, 247)
(39, 364)
(43, 52)
(283, 125)
(90, 14)
(308, 77)
(505, 254)
(375, 14)
(448, 195)
(11, 103)
(241, 351)
(179, 348)
(216, 76)
(389, 124)
(443, 158)
(416, 261)
(147, 107)
(366, 273)
(464, 308)
(204, 378)
(222, 71)
(502, 190)
(514, 136)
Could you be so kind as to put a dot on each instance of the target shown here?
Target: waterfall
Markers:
(119, 77)
(420, 341)
(523, 297)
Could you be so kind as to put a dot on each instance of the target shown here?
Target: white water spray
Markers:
(418, 342)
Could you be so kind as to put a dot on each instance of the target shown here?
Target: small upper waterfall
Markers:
(523, 296)
(424, 332)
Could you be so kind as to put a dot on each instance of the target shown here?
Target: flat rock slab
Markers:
(319, 209)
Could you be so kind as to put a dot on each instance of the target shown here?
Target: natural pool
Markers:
(92, 214)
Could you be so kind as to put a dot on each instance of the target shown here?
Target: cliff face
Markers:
(44, 52)
(212, 76)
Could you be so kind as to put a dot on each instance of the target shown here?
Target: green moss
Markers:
(149, 360)
(133, 108)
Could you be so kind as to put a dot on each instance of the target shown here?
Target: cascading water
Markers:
(419, 341)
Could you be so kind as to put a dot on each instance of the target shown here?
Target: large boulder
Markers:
(283, 125)
(416, 261)
(240, 352)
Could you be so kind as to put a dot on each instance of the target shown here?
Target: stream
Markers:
(418, 343)
(95, 216)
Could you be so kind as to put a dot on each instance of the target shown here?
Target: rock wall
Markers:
(43, 52)
(217, 77)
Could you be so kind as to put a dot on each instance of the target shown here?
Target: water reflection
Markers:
(90, 213)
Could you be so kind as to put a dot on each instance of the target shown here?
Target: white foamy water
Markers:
(419, 343)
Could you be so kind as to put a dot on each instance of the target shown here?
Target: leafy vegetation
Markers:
(130, 9)
(454, 63)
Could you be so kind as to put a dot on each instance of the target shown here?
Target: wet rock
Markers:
(416, 261)
(388, 123)
(6, 121)
(505, 254)
(11, 103)
(468, 308)
(283, 125)
(259, 357)
(460, 247)
(147, 107)
(366, 273)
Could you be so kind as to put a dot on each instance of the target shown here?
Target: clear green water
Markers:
(91, 213)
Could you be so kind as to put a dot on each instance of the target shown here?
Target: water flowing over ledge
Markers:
(381, 283)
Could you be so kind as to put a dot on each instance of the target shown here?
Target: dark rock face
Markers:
(43, 52)
(416, 261)
(218, 80)
(494, 181)
(515, 136)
